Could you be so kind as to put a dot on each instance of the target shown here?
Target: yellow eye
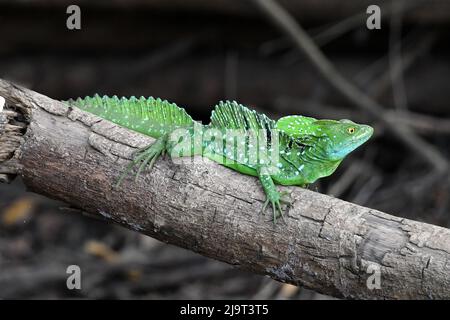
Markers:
(351, 130)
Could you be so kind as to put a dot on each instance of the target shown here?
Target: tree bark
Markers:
(325, 244)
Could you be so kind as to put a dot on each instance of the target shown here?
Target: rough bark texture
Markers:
(326, 244)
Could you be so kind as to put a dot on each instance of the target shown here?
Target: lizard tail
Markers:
(150, 116)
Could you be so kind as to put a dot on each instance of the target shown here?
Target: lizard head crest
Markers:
(331, 139)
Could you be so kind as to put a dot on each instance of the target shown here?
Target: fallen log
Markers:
(325, 244)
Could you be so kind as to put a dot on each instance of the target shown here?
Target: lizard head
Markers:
(342, 137)
(331, 139)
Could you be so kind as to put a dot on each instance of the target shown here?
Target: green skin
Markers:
(308, 148)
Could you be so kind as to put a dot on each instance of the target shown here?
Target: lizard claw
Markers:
(264, 206)
(277, 211)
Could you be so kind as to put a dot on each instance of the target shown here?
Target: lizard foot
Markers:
(147, 155)
(275, 199)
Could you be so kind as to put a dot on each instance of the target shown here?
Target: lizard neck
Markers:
(317, 164)
(310, 163)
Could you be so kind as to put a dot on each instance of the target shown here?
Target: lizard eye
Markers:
(351, 130)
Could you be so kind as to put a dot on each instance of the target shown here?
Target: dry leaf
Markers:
(17, 212)
(288, 290)
(101, 250)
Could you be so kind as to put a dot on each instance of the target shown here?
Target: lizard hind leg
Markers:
(146, 156)
(273, 197)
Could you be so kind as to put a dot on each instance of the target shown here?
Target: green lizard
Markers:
(295, 150)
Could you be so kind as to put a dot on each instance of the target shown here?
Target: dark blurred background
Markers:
(196, 53)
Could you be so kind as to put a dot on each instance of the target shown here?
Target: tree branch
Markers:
(326, 244)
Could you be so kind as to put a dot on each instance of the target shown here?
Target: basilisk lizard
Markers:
(295, 150)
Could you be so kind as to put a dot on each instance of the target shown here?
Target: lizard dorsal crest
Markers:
(232, 115)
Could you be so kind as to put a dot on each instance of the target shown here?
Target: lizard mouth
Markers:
(367, 132)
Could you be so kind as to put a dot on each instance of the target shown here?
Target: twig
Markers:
(381, 84)
(346, 179)
(329, 33)
(342, 27)
(422, 122)
(288, 25)
(395, 57)
(367, 190)
(149, 62)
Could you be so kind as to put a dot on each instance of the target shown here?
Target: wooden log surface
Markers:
(325, 244)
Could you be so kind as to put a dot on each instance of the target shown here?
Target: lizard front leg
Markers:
(148, 155)
(272, 195)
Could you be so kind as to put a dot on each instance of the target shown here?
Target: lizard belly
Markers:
(242, 169)
(232, 164)
(286, 180)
